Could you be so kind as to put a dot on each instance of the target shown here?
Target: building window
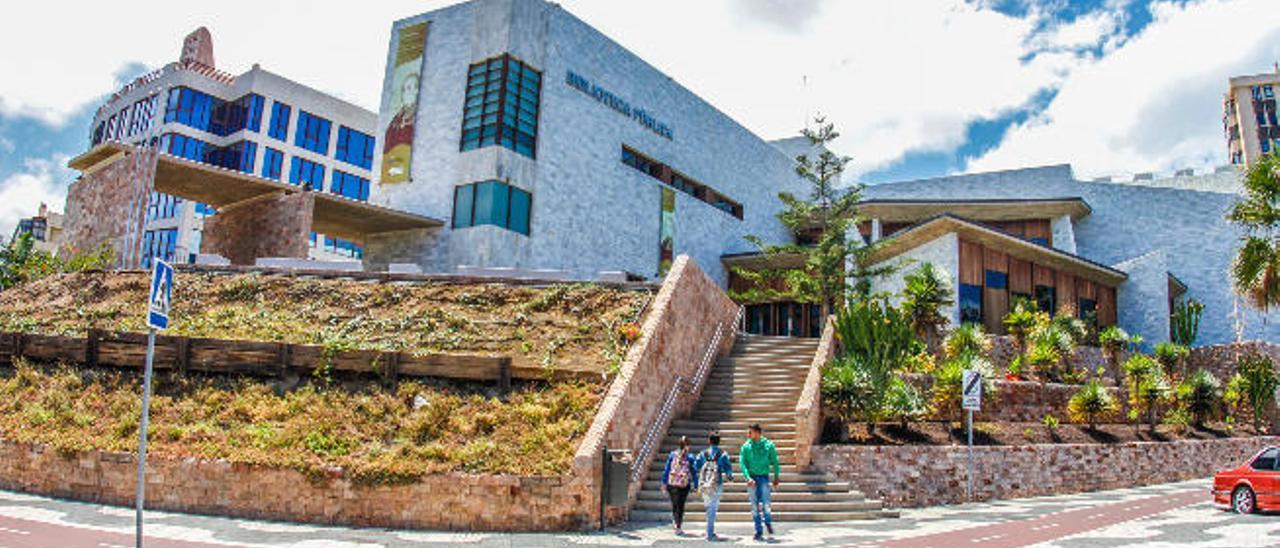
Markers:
(238, 115)
(312, 133)
(1047, 299)
(354, 147)
(351, 186)
(272, 163)
(185, 147)
(679, 181)
(240, 156)
(307, 174)
(492, 203)
(190, 108)
(207, 113)
(158, 244)
(279, 128)
(345, 248)
(501, 106)
(996, 280)
(1088, 311)
(970, 303)
(162, 206)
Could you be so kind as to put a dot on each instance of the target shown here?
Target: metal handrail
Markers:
(681, 385)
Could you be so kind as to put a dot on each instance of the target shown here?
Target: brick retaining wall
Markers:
(1220, 359)
(447, 501)
(910, 476)
(1019, 401)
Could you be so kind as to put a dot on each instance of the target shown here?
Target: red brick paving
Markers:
(23, 533)
(1054, 526)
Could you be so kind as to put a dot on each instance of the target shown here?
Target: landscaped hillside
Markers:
(576, 327)
(372, 435)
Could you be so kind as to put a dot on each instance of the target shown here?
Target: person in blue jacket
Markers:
(711, 479)
(678, 478)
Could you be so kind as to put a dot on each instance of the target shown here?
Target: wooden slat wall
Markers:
(995, 302)
(1038, 229)
(128, 350)
(971, 257)
(1042, 276)
(1106, 306)
(1020, 277)
(1067, 294)
(1086, 289)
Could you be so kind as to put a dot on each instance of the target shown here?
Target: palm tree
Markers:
(927, 291)
(1256, 271)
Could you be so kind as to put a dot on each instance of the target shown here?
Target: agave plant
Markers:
(1090, 403)
(1201, 394)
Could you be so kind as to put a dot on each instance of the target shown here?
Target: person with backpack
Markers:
(714, 470)
(759, 459)
(678, 478)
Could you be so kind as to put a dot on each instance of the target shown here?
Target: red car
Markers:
(1252, 486)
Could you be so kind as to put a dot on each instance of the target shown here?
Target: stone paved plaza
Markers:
(1194, 524)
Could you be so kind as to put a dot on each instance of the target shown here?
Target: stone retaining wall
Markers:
(1220, 359)
(447, 501)
(1019, 401)
(1085, 358)
(910, 476)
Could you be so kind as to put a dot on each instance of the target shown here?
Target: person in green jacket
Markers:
(758, 460)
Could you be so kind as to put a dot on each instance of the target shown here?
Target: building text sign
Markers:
(618, 104)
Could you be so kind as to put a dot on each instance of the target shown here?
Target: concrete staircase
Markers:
(759, 382)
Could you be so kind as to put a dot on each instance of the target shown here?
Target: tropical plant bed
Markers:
(578, 327)
(370, 435)
(1025, 433)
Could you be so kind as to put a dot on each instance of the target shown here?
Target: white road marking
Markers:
(109, 545)
(14, 531)
(1047, 526)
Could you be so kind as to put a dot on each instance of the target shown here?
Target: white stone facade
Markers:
(590, 212)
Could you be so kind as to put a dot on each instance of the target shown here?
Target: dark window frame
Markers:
(468, 219)
(493, 85)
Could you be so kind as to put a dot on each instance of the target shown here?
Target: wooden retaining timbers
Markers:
(271, 359)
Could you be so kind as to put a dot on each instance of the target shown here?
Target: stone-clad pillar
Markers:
(106, 206)
(278, 225)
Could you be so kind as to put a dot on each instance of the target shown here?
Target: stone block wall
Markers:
(1085, 358)
(106, 205)
(1220, 359)
(684, 316)
(278, 225)
(911, 476)
(1020, 401)
(446, 501)
(809, 407)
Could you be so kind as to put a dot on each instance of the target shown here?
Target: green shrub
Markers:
(904, 402)
(1253, 386)
(1171, 356)
(1178, 419)
(1201, 395)
(967, 339)
(876, 331)
(947, 383)
(1051, 422)
(1092, 402)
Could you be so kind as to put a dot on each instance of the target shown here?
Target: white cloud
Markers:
(1084, 32)
(1154, 104)
(39, 181)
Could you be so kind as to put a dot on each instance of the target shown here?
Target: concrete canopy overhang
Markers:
(932, 229)
(896, 211)
(333, 215)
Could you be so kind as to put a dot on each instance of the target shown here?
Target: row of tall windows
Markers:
(501, 107)
(272, 163)
(239, 156)
(158, 244)
(354, 147)
(312, 133)
(492, 203)
(679, 181)
(304, 172)
(351, 186)
(279, 126)
(207, 113)
(162, 206)
(131, 120)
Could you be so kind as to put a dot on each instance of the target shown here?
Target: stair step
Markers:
(788, 475)
(696, 505)
(738, 493)
(836, 487)
(693, 522)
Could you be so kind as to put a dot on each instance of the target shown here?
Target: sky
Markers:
(917, 88)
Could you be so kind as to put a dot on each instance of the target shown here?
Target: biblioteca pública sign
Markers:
(618, 104)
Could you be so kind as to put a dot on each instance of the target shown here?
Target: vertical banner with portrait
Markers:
(397, 143)
(667, 231)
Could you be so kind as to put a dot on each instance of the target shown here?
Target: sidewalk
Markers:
(1172, 514)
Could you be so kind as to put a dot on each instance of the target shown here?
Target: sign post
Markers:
(970, 401)
(158, 302)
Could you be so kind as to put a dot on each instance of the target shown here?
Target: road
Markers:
(1177, 514)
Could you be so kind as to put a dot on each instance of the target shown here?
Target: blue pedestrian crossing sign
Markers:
(160, 295)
